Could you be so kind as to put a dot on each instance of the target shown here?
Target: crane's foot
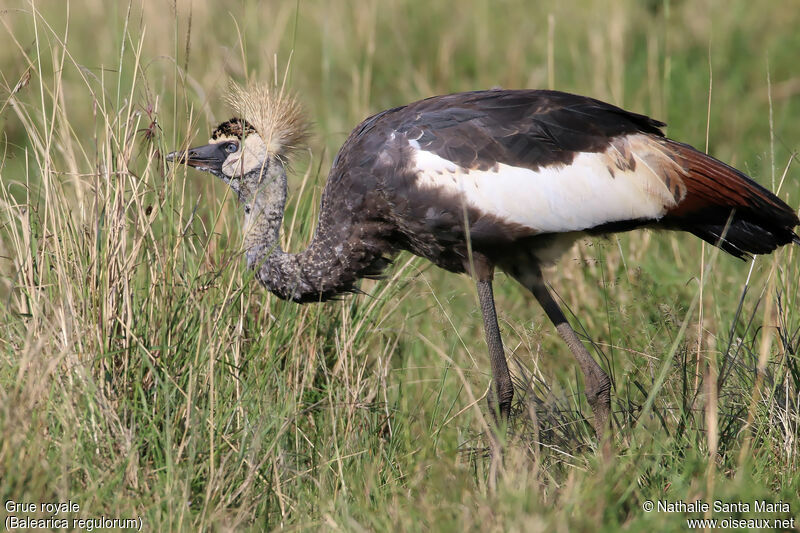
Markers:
(598, 384)
(598, 394)
(500, 409)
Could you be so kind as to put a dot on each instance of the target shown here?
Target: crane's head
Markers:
(250, 153)
(236, 154)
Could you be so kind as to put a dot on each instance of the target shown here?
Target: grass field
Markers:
(144, 374)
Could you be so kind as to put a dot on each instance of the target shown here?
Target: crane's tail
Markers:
(726, 208)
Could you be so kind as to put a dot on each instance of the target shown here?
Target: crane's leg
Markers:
(502, 391)
(598, 385)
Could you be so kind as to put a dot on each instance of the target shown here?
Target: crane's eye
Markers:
(231, 147)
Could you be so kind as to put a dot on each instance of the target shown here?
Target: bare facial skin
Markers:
(250, 156)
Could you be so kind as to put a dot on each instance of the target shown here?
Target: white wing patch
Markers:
(596, 188)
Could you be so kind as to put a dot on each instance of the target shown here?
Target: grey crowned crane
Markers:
(476, 181)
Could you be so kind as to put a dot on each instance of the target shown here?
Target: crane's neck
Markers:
(319, 272)
(263, 214)
(264, 205)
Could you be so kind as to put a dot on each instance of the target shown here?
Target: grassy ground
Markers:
(144, 374)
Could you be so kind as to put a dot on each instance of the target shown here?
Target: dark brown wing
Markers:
(528, 129)
(544, 132)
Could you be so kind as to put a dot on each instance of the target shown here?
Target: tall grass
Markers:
(143, 373)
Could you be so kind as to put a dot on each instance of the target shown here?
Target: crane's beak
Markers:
(208, 158)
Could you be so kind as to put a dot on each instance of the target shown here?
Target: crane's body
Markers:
(484, 180)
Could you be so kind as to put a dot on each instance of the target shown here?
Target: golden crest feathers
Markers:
(276, 115)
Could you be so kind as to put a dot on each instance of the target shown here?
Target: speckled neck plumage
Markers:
(329, 266)
(280, 272)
